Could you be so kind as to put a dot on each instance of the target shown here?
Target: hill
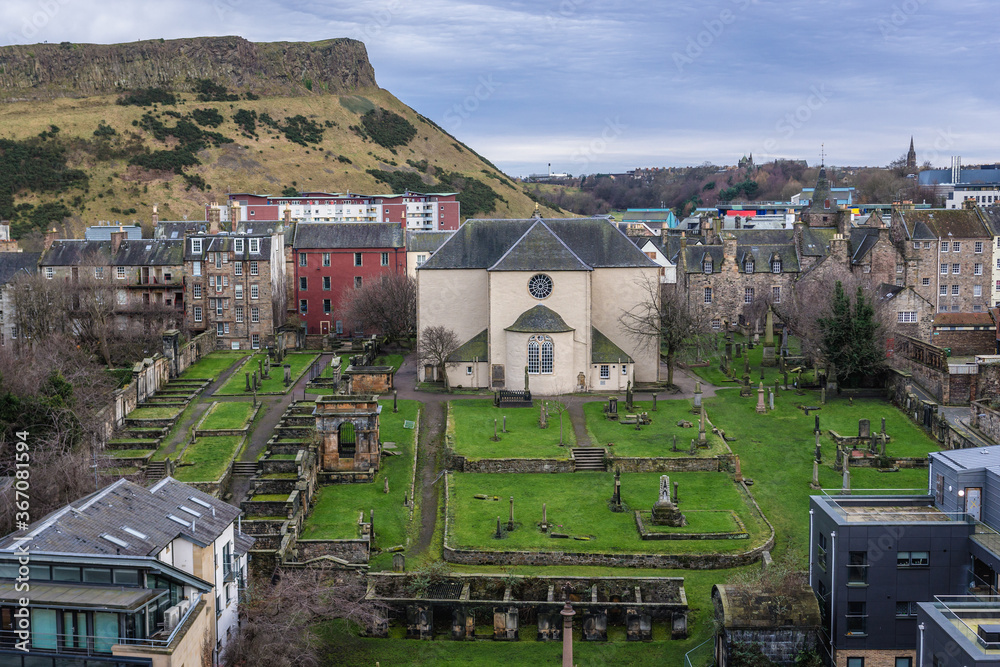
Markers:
(103, 132)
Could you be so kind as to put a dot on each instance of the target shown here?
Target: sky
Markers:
(604, 86)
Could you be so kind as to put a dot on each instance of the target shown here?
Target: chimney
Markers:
(6, 243)
(287, 215)
(234, 215)
(214, 218)
(729, 251)
(838, 248)
(50, 237)
(116, 239)
(156, 217)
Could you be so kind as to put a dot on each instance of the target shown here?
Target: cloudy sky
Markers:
(609, 85)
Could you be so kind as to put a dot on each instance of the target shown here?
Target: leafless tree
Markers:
(39, 308)
(434, 347)
(664, 318)
(277, 628)
(388, 304)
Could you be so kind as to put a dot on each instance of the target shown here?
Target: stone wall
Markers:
(679, 464)
(352, 551)
(462, 464)
(934, 381)
(986, 419)
(969, 342)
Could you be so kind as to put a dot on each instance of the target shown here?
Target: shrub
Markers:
(387, 128)
(207, 117)
(144, 97)
(104, 130)
(210, 91)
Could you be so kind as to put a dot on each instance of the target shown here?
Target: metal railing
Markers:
(700, 656)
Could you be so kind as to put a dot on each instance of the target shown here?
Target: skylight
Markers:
(189, 510)
(115, 540)
(177, 519)
(135, 533)
(199, 501)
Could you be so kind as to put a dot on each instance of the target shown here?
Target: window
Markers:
(977, 309)
(339, 326)
(944, 246)
(303, 283)
(925, 282)
(855, 662)
(119, 272)
(533, 356)
(954, 290)
(49, 272)
(548, 354)
(218, 260)
(944, 269)
(357, 259)
(218, 307)
(708, 295)
(303, 306)
(238, 269)
(624, 369)
(99, 272)
(196, 290)
(326, 259)
(899, 268)
(238, 245)
(468, 370)
(326, 282)
(776, 294)
(905, 609)
(303, 259)
(239, 291)
(254, 246)
(716, 325)
(916, 245)
(219, 329)
(956, 269)
(977, 290)
(357, 282)
(421, 258)
(327, 309)
(927, 245)
(905, 661)
(605, 371)
(748, 295)
(253, 268)
(899, 282)
(254, 314)
(706, 266)
(857, 568)
(912, 559)
(254, 292)
(196, 246)
(977, 269)
(821, 557)
(255, 341)
(943, 290)
(956, 246)
(385, 259)
(906, 316)
(239, 313)
(857, 620)
(197, 313)
(978, 248)
(748, 265)
(196, 268)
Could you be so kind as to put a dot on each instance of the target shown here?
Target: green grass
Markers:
(154, 413)
(713, 375)
(337, 506)
(394, 360)
(210, 457)
(127, 453)
(228, 414)
(577, 506)
(236, 385)
(212, 365)
(471, 422)
(776, 450)
(654, 440)
(271, 497)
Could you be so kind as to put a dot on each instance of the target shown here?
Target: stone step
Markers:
(589, 458)
(156, 470)
(245, 468)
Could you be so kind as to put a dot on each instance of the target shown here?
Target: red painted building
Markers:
(412, 210)
(331, 260)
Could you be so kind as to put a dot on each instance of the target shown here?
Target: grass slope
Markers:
(471, 421)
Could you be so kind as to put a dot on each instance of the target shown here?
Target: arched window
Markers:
(706, 266)
(541, 354)
(776, 265)
(748, 265)
(346, 441)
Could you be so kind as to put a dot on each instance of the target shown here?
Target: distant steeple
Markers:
(911, 158)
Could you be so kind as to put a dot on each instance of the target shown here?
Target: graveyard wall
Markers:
(352, 551)
(934, 381)
(680, 464)
(461, 464)
(781, 645)
(986, 419)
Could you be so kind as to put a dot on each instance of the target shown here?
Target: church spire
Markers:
(911, 158)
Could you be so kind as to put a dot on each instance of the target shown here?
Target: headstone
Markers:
(628, 395)
(674, 448)
(785, 373)
(665, 512)
(770, 399)
(371, 524)
(784, 342)
(505, 423)
(654, 402)
(846, 490)
(840, 458)
(526, 378)
(398, 563)
(864, 428)
(693, 446)
(822, 395)
(543, 416)
(545, 518)
(255, 382)
(260, 367)
(394, 407)
(702, 438)
(616, 498)
(677, 495)
(739, 351)
(288, 374)
(739, 470)
(729, 350)
(612, 405)
(817, 424)
(819, 450)
(883, 425)
(510, 521)
(499, 534)
(267, 366)
(697, 395)
(883, 438)
(761, 408)
(815, 482)
(385, 485)
(248, 382)
(767, 358)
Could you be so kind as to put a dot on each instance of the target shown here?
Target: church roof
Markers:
(539, 320)
(604, 351)
(539, 249)
(482, 243)
(477, 347)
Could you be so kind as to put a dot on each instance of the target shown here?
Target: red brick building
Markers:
(331, 260)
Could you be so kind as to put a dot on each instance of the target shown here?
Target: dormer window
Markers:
(706, 266)
(776, 265)
(748, 265)
(254, 246)
(196, 246)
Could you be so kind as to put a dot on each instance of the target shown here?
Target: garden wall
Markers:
(986, 419)
(352, 551)
(462, 464)
(680, 464)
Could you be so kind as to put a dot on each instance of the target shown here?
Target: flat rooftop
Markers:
(865, 507)
(892, 513)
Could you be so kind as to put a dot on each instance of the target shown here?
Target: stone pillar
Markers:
(761, 408)
(697, 395)
(567, 613)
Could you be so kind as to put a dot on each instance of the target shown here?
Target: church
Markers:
(538, 302)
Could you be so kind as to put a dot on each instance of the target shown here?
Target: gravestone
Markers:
(288, 374)
(817, 424)
(883, 425)
(255, 383)
(677, 495)
(767, 358)
(822, 395)
(840, 458)
(267, 367)
(612, 405)
(815, 481)
(739, 470)
(819, 450)
(702, 438)
(499, 533)
(770, 399)
(248, 388)
(846, 489)
(693, 447)
(385, 485)
(628, 395)
(664, 512)
(761, 408)
(784, 342)
(260, 367)
(785, 373)
(739, 351)
(545, 519)
(864, 428)
(697, 395)
(616, 498)
(674, 448)
(398, 563)
(729, 349)
(883, 439)
(510, 521)
(394, 407)
(654, 402)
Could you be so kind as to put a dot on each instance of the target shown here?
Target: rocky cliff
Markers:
(46, 71)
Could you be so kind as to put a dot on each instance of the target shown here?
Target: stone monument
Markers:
(768, 358)
(665, 512)
(761, 406)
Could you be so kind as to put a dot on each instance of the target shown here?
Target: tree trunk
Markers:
(670, 368)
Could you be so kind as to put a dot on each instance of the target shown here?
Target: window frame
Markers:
(605, 371)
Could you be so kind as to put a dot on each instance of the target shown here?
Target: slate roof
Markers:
(175, 229)
(477, 347)
(12, 263)
(539, 319)
(103, 232)
(862, 241)
(426, 241)
(992, 219)
(963, 320)
(149, 252)
(695, 257)
(816, 241)
(938, 222)
(76, 252)
(80, 527)
(481, 243)
(348, 235)
(539, 249)
(604, 351)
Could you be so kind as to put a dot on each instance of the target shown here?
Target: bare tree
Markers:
(39, 308)
(277, 628)
(388, 304)
(664, 317)
(434, 347)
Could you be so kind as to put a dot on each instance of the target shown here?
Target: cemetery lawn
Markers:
(394, 360)
(228, 414)
(154, 413)
(578, 506)
(471, 424)
(654, 440)
(275, 384)
(711, 373)
(210, 456)
(213, 365)
(776, 451)
(335, 514)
